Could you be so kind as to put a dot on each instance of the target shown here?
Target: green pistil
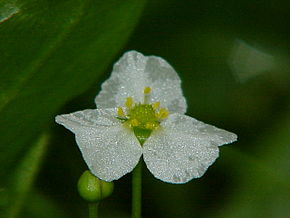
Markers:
(144, 113)
(142, 134)
(142, 118)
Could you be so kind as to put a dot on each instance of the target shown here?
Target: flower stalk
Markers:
(137, 191)
(94, 210)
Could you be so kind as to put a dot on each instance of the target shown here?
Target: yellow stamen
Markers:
(120, 112)
(129, 102)
(163, 113)
(147, 90)
(156, 105)
(142, 117)
(150, 125)
(134, 122)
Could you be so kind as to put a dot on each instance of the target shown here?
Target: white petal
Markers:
(109, 149)
(178, 152)
(132, 73)
(176, 157)
(89, 118)
(200, 129)
(110, 152)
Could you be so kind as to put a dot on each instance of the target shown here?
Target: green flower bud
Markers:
(93, 189)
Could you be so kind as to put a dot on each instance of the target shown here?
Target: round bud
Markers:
(93, 189)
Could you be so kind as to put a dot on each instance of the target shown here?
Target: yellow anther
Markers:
(150, 125)
(120, 112)
(129, 102)
(163, 113)
(134, 122)
(156, 105)
(147, 90)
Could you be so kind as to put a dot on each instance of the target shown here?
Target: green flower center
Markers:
(142, 118)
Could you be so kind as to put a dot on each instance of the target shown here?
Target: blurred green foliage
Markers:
(232, 57)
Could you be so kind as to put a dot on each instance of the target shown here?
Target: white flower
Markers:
(140, 110)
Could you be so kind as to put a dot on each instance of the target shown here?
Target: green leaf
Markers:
(24, 176)
(51, 51)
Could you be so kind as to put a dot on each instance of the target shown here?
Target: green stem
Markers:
(93, 210)
(137, 190)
